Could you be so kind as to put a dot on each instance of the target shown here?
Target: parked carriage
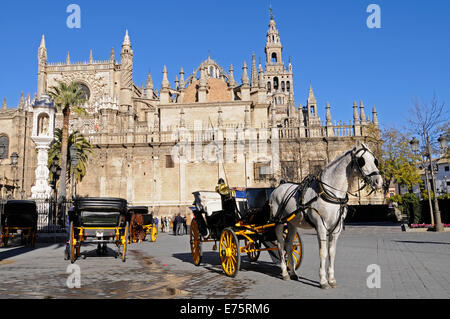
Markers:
(242, 216)
(99, 221)
(142, 224)
(19, 217)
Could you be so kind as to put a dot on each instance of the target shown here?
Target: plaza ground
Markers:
(413, 265)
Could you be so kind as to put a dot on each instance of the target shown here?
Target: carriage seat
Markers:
(100, 219)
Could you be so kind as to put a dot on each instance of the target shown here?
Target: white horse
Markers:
(321, 202)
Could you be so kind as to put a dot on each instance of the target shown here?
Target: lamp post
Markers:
(14, 161)
(437, 214)
(74, 164)
(56, 172)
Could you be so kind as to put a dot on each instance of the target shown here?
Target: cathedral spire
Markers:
(5, 107)
(328, 116)
(42, 42)
(362, 113)
(261, 82)
(182, 82)
(254, 75)
(231, 81)
(149, 83)
(126, 40)
(112, 56)
(244, 74)
(374, 116)
(165, 84)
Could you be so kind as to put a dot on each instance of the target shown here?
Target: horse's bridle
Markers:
(359, 162)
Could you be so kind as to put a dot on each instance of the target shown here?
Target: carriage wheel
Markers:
(297, 250)
(33, 238)
(5, 237)
(72, 243)
(253, 255)
(124, 243)
(196, 243)
(229, 252)
(153, 233)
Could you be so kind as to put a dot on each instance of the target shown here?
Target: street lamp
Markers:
(74, 164)
(14, 160)
(443, 143)
(56, 172)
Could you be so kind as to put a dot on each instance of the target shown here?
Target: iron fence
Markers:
(49, 220)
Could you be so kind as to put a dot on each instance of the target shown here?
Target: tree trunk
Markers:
(64, 144)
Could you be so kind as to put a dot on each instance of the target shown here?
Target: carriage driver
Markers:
(227, 195)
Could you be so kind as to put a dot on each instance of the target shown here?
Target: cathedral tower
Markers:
(126, 77)
(278, 79)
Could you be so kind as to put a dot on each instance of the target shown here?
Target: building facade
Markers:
(155, 147)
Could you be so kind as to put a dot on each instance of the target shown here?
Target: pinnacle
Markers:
(43, 41)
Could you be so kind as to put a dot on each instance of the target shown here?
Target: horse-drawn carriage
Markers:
(99, 221)
(19, 216)
(240, 214)
(141, 224)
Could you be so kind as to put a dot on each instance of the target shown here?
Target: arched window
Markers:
(4, 146)
(269, 86)
(282, 86)
(274, 57)
(211, 72)
(85, 89)
(288, 86)
(275, 83)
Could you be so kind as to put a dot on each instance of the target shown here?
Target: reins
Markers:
(324, 194)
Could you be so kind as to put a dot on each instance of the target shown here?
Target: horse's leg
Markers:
(280, 243)
(322, 237)
(332, 240)
(288, 248)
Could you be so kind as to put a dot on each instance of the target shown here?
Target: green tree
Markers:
(84, 148)
(397, 161)
(67, 97)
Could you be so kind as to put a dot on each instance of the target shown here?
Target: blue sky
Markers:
(328, 41)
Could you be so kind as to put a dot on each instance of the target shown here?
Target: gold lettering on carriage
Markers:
(192, 309)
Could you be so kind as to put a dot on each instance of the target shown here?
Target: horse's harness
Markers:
(325, 194)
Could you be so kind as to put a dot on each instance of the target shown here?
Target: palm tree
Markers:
(84, 148)
(67, 97)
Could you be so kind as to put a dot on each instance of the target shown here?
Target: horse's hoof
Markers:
(286, 277)
(325, 286)
(333, 284)
(294, 277)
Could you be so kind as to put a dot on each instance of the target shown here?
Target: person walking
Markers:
(156, 223)
(179, 225)
(184, 226)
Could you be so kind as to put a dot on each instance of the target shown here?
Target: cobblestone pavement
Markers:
(412, 265)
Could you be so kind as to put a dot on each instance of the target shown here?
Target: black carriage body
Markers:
(20, 214)
(142, 210)
(257, 210)
(254, 210)
(98, 217)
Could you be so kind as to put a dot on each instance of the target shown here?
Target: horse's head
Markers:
(367, 165)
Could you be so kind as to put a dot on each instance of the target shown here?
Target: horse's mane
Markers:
(337, 159)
